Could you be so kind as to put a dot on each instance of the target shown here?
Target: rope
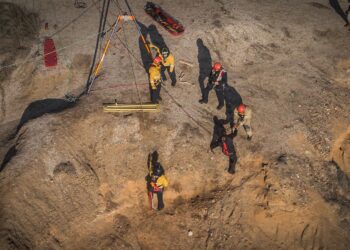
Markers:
(74, 19)
(57, 50)
(132, 68)
(102, 16)
(183, 110)
(106, 15)
(98, 67)
(139, 30)
(118, 5)
(166, 91)
(119, 39)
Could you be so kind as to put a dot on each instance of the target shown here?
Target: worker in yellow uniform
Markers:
(155, 79)
(156, 180)
(168, 62)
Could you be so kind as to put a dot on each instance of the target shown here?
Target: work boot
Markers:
(173, 84)
(231, 171)
(249, 138)
(201, 101)
(219, 107)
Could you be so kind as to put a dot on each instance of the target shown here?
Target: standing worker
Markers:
(169, 65)
(155, 79)
(223, 136)
(156, 180)
(218, 80)
(168, 62)
(243, 116)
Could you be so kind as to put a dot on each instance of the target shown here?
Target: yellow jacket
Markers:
(154, 75)
(168, 62)
(162, 182)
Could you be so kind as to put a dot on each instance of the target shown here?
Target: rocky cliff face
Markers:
(75, 178)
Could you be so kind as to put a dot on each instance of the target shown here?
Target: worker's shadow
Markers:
(156, 38)
(336, 6)
(145, 57)
(204, 61)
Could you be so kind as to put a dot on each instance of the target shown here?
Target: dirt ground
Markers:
(74, 179)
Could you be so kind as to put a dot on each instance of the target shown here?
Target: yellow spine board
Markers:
(131, 107)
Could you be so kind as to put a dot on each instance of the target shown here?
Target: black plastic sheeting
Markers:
(336, 6)
(33, 111)
(41, 107)
(11, 153)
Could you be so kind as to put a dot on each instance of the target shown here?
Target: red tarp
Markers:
(50, 55)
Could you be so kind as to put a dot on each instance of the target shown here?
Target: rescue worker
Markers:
(219, 131)
(218, 80)
(232, 99)
(242, 117)
(223, 136)
(169, 65)
(155, 80)
(156, 181)
(168, 62)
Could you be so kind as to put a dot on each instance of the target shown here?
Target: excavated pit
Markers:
(72, 177)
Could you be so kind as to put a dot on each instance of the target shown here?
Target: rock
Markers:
(190, 233)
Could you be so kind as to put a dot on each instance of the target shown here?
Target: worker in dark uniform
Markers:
(232, 99)
(156, 180)
(218, 80)
(223, 136)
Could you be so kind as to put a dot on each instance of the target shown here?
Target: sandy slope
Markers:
(77, 179)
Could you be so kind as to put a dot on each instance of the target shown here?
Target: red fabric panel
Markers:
(50, 55)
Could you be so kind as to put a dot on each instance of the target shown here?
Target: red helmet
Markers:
(217, 66)
(157, 60)
(241, 108)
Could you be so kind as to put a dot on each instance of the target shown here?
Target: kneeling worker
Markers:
(156, 182)
(155, 79)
